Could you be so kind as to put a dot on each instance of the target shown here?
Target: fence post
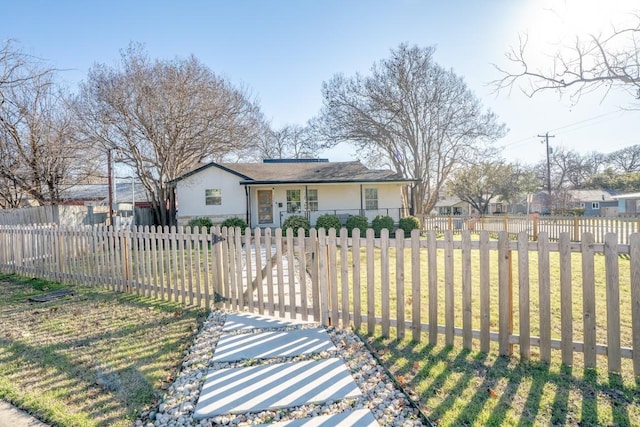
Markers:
(544, 301)
(566, 299)
(589, 300)
(303, 273)
(400, 302)
(313, 244)
(613, 302)
(536, 225)
(371, 314)
(432, 250)
(384, 281)
(415, 285)
(576, 229)
(634, 250)
(357, 289)
(466, 290)
(485, 292)
(449, 313)
(127, 261)
(332, 277)
(323, 274)
(505, 295)
(523, 286)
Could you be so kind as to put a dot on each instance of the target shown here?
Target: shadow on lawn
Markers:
(454, 386)
(88, 354)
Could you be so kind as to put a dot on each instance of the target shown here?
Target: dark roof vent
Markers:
(295, 160)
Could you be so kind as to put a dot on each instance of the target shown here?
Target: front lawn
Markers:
(96, 358)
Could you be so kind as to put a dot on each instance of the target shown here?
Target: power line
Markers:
(590, 119)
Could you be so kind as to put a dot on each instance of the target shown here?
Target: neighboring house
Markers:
(265, 194)
(95, 197)
(628, 204)
(452, 206)
(537, 202)
(124, 193)
(497, 206)
(594, 202)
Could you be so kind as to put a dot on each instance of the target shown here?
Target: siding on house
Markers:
(192, 200)
(344, 199)
(629, 203)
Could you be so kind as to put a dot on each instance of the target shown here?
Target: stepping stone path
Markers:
(263, 382)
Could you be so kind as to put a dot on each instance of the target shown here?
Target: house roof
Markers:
(591, 195)
(100, 192)
(451, 201)
(627, 196)
(301, 172)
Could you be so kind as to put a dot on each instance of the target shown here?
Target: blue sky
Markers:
(282, 51)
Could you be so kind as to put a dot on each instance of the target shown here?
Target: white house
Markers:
(265, 194)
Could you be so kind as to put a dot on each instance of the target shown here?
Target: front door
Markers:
(265, 207)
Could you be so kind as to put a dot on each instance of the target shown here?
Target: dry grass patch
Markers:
(96, 358)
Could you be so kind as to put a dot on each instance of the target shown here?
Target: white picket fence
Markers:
(480, 289)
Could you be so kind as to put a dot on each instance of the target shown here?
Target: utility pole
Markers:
(546, 137)
(110, 184)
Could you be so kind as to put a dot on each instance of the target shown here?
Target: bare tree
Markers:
(288, 142)
(422, 118)
(626, 159)
(38, 149)
(11, 195)
(599, 60)
(569, 169)
(164, 117)
(16, 68)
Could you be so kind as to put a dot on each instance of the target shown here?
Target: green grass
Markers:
(97, 358)
(455, 387)
(576, 283)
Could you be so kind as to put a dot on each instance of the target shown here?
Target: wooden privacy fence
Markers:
(576, 297)
(575, 226)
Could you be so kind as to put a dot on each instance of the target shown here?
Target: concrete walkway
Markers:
(11, 416)
(272, 384)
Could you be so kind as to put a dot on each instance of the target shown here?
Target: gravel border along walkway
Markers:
(388, 404)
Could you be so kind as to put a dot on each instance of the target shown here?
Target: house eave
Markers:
(327, 181)
(207, 166)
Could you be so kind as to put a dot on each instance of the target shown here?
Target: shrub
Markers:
(200, 222)
(328, 221)
(576, 211)
(295, 222)
(234, 222)
(408, 223)
(380, 222)
(357, 221)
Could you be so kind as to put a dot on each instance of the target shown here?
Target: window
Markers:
(595, 205)
(312, 200)
(371, 199)
(213, 196)
(293, 201)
